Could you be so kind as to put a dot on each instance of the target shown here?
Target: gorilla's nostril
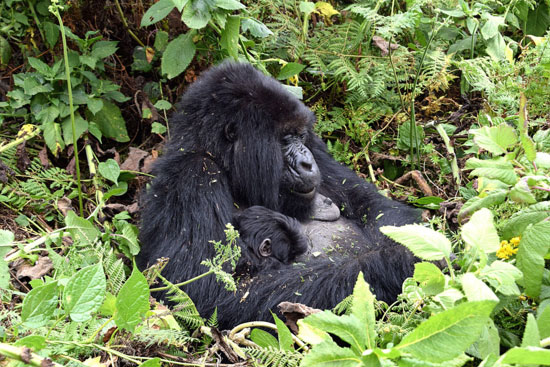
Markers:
(306, 166)
(328, 201)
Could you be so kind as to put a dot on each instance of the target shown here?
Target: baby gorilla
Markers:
(268, 239)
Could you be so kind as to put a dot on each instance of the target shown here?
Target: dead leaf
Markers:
(383, 45)
(134, 159)
(65, 205)
(117, 207)
(23, 160)
(46, 362)
(40, 268)
(26, 355)
(5, 172)
(43, 156)
(294, 312)
(148, 164)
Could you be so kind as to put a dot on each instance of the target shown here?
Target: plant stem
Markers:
(17, 354)
(54, 8)
(19, 140)
(451, 152)
(125, 23)
(184, 283)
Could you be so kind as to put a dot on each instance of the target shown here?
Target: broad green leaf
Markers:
(480, 232)
(157, 12)
(430, 278)
(132, 301)
(52, 137)
(529, 147)
(476, 290)
(230, 36)
(543, 321)
(488, 342)
(521, 193)
(6, 238)
(39, 305)
(424, 242)
(103, 49)
(496, 48)
(527, 356)
(108, 308)
(329, 354)
(95, 105)
(362, 307)
(255, 27)
(47, 115)
(534, 245)
(39, 65)
(495, 139)
(289, 70)
(161, 41)
(129, 238)
(158, 128)
(5, 51)
(153, 362)
(285, 336)
(109, 120)
(542, 160)
(490, 28)
(51, 31)
(81, 126)
(310, 334)
(34, 342)
(180, 4)
(517, 223)
(197, 14)
(163, 105)
(229, 4)
(531, 336)
(538, 20)
(263, 339)
(493, 198)
(81, 230)
(307, 7)
(295, 91)
(85, 292)
(109, 170)
(502, 276)
(346, 327)
(179, 53)
(404, 136)
(448, 334)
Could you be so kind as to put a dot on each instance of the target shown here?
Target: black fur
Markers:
(226, 152)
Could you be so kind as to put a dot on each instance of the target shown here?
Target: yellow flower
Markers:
(506, 250)
(515, 241)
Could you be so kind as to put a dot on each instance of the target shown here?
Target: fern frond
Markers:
(271, 357)
(175, 338)
(185, 309)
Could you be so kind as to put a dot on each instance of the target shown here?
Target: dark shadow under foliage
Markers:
(241, 140)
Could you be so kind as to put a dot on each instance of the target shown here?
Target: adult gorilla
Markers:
(241, 140)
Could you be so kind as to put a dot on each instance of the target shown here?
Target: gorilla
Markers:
(243, 149)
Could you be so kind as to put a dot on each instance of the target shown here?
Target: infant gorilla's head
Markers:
(268, 239)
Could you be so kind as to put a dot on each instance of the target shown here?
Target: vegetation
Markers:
(440, 103)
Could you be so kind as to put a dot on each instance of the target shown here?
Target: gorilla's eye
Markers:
(265, 248)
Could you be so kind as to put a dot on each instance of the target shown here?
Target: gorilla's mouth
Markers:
(306, 195)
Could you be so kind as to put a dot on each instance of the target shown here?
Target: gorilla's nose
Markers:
(308, 170)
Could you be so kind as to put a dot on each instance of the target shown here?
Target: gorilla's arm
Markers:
(189, 201)
(358, 199)
(320, 283)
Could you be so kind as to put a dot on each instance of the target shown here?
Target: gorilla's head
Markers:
(268, 239)
(257, 132)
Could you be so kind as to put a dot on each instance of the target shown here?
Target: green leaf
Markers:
(255, 27)
(180, 4)
(4, 268)
(197, 14)
(346, 327)
(158, 128)
(129, 238)
(32, 86)
(6, 237)
(95, 105)
(543, 321)
(39, 305)
(34, 342)
(329, 354)
(496, 48)
(517, 223)
(39, 65)
(229, 4)
(157, 12)
(531, 336)
(534, 245)
(538, 20)
(132, 302)
(48, 114)
(529, 147)
(527, 356)
(161, 41)
(404, 136)
(51, 32)
(488, 342)
(263, 339)
(307, 7)
(5, 51)
(153, 362)
(285, 336)
(179, 53)
(108, 308)
(163, 105)
(502, 276)
(52, 137)
(424, 242)
(81, 230)
(103, 49)
(84, 293)
(492, 198)
(289, 70)
(430, 278)
(109, 170)
(495, 139)
(498, 169)
(362, 307)
(109, 120)
(230, 36)
(521, 193)
(448, 334)
(81, 126)
(490, 28)
(480, 232)
(476, 290)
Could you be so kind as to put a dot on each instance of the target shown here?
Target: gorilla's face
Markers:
(301, 175)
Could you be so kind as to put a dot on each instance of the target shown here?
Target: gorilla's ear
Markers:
(230, 132)
(265, 249)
